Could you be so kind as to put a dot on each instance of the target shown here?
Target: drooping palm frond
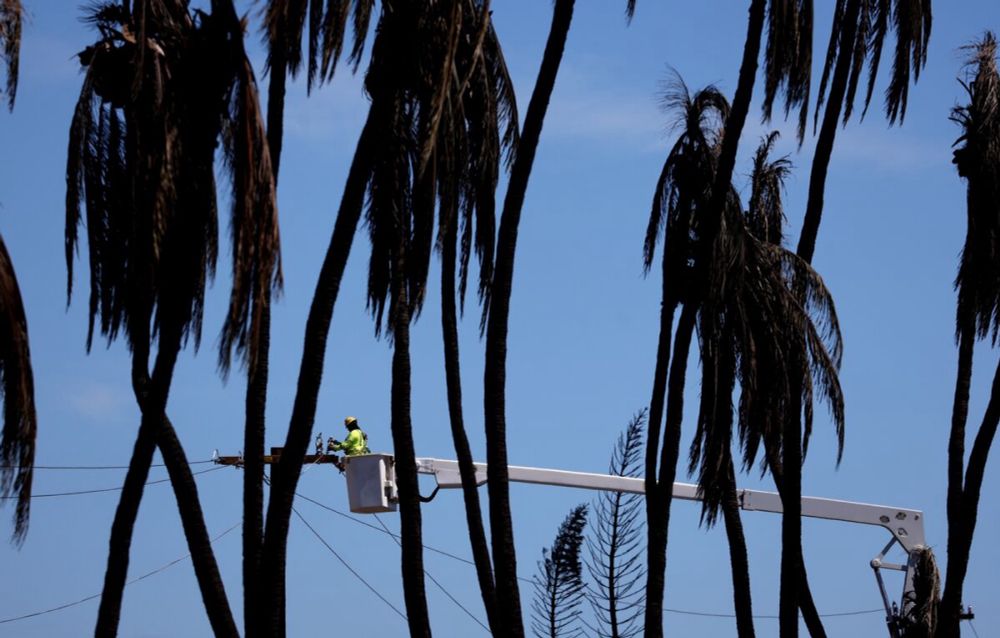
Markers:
(977, 158)
(440, 90)
(920, 618)
(766, 213)
(142, 167)
(911, 22)
(17, 439)
(775, 330)
(788, 58)
(684, 186)
(615, 545)
(285, 23)
(254, 216)
(11, 13)
(559, 587)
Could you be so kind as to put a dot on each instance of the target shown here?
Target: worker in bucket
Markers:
(356, 442)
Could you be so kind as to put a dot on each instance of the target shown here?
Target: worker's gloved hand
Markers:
(335, 442)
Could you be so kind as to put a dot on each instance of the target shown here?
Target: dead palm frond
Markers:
(141, 162)
(788, 58)
(909, 19)
(684, 184)
(286, 23)
(17, 443)
(447, 114)
(775, 330)
(17, 439)
(977, 158)
(11, 15)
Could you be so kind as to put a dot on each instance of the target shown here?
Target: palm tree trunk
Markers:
(827, 133)
(658, 512)
(495, 373)
(962, 522)
(109, 612)
(276, 106)
(792, 565)
(411, 544)
(791, 520)
(253, 472)
(155, 430)
(738, 561)
(737, 115)
(807, 606)
(206, 569)
(286, 473)
(256, 393)
(466, 467)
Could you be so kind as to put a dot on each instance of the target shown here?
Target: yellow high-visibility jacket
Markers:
(354, 444)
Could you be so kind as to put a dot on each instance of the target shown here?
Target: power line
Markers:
(349, 568)
(973, 627)
(92, 467)
(107, 489)
(685, 612)
(709, 614)
(435, 581)
(94, 596)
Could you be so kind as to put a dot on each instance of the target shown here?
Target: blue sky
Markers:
(582, 338)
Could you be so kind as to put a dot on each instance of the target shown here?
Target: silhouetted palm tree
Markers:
(163, 86)
(978, 317)
(496, 316)
(744, 337)
(20, 423)
(682, 194)
(762, 333)
(439, 95)
(857, 35)
(467, 224)
(285, 24)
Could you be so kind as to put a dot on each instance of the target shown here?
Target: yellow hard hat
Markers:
(350, 420)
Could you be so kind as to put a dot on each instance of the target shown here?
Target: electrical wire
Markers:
(107, 489)
(159, 569)
(709, 614)
(92, 467)
(349, 568)
(973, 627)
(435, 581)
(685, 612)
(334, 552)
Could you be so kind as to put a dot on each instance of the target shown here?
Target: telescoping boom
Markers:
(371, 485)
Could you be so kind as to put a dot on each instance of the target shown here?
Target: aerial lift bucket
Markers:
(371, 483)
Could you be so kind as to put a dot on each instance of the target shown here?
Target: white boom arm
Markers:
(372, 488)
(906, 525)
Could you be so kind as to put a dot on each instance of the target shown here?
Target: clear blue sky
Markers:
(582, 339)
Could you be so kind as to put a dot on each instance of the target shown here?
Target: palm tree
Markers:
(439, 93)
(467, 223)
(858, 34)
(978, 161)
(20, 423)
(762, 331)
(738, 341)
(496, 315)
(285, 24)
(147, 185)
(682, 189)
